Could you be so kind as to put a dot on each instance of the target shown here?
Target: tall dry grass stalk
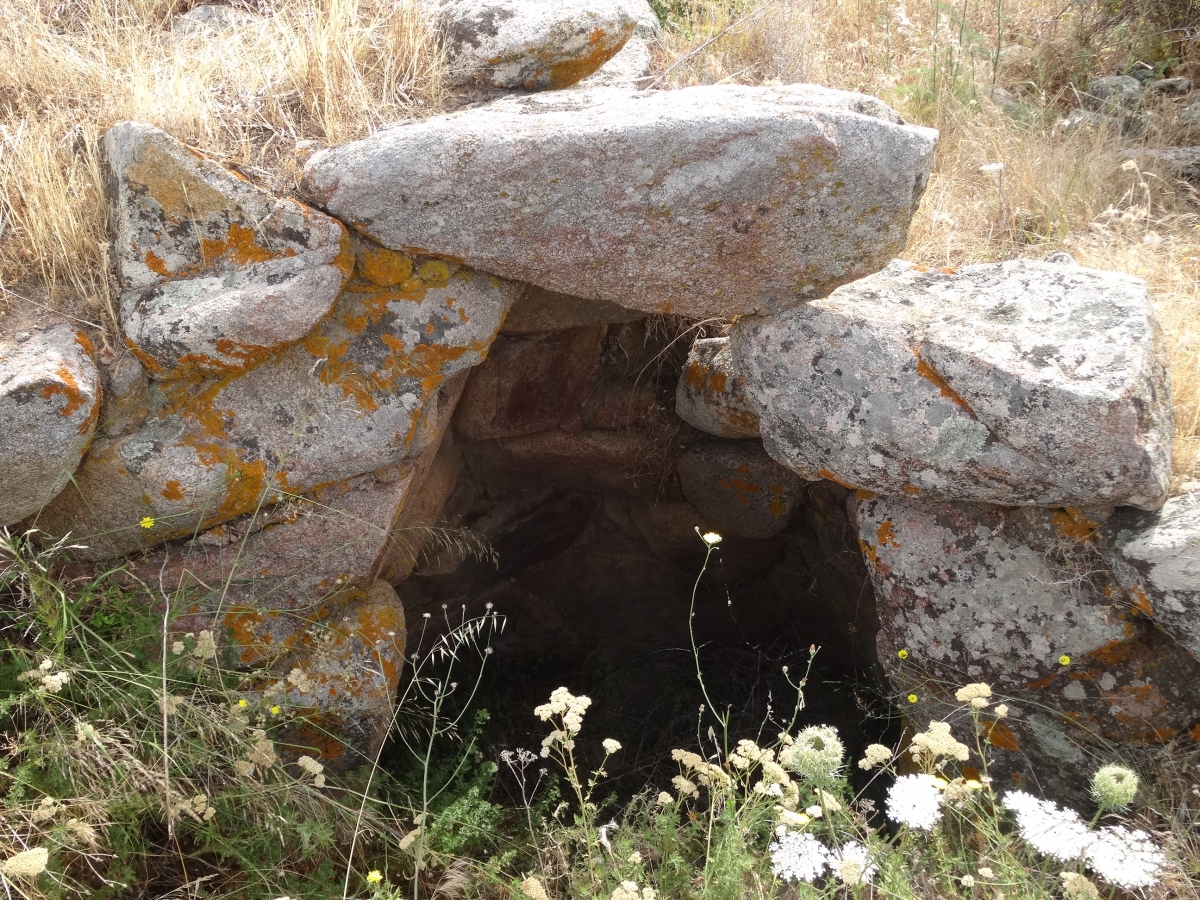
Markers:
(331, 70)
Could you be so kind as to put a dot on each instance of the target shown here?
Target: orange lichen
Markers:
(156, 264)
(1072, 524)
(825, 473)
(240, 247)
(564, 73)
(1140, 601)
(1000, 735)
(911, 489)
(173, 490)
(885, 534)
(930, 374)
(741, 488)
(385, 267)
(67, 387)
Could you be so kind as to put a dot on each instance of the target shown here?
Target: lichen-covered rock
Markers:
(49, 406)
(1016, 383)
(706, 201)
(1179, 162)
(126, 398)
(216, 274)
(531, 44)
(211, 19)
(540, 310)
(627, 69)
(530, 383)
(353, 397)
(1115, 92)
(342, 678)
(740, 490)
(1155, 557)
(962, 597)
(709, 395)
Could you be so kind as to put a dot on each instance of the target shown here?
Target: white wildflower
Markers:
(533, 889)
(635, 858)
(262, 751)
(816, 753)
(1050, 829)
(52, 684)
(45, 811)
(177, 647)
(969, 692)
(915, 801)
(206, 646)
(26, 864)
(792, 818)
(875, 755)
(299, 680)
(1001, 711)
(664, 799)
(685, 787)
(1125, 858)
(968, 881)
(853, 864)
(83, 832)
(936, 742)
(798, 856)
(611, 746)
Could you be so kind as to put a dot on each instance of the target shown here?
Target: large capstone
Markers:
(708, 201)
(1015, 383)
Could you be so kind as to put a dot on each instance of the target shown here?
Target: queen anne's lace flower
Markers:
(853, 864)
(1048, 828)
(816, 753)
(1125, 858)
(1114, 787)
(611, 746)
(798, 856)
(915, 801)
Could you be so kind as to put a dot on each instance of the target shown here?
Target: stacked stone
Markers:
(1002, 432)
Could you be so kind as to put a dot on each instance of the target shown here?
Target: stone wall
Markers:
(513, 319)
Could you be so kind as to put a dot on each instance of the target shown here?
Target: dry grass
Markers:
(336, 69)
(331, 70)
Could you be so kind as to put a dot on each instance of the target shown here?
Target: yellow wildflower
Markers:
(903, 654)
(147, 522)
(1064, 660)
(912, 698)
(374, 876)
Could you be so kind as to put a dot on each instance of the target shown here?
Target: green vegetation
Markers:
(134, 765)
